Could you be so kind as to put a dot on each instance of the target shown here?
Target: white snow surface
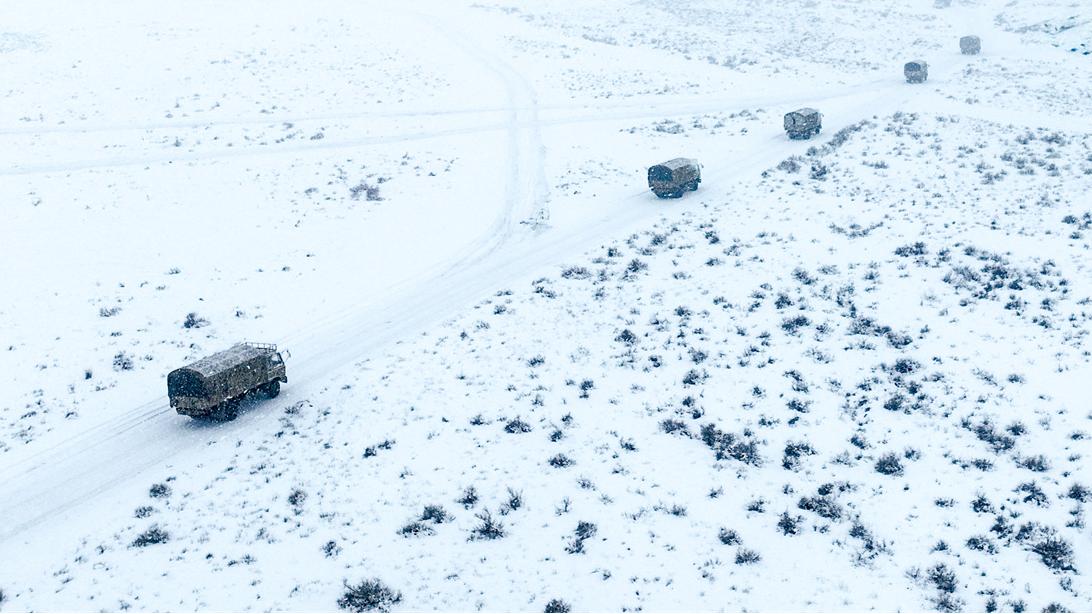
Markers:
(845, 374)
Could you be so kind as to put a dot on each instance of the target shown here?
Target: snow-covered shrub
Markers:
(745, 556)
(159, 491)
(517, 425)
(435, 514)
(560, 461)
(1056, 553)
(584, 531)
(153, 535)
(368, 596)
(514, 502)
(469, 497)
(789, 525)
(728, 445)
(672, 426)
(824, 506)
(557, 606)
(123, 362)
(488, 528)
(943, 578)
(194, 321)
(416, 529)
(889, 464)
(729, 537)
(793, 451)
(1079, 492)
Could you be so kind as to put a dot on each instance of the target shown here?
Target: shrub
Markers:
(792, 325)
(435, 513)
(584, 531)
(1036, 463)
(729, 537)
(123, 362)
(917, 249)
(516, 425)
(557, 606)
(369, 191)
(297, 497)
(986, 432)
(194, 321)
(1056, 553)
(672, 426)
(331, 549)
(143, 511)
(982, 505)
(727, 445)
(889, 464)
(368, 596)
(694, 377)
(1079, 492)
(627, 337)
(1054, 606)
(416, 529)
(586, 386)
(758, 505)
(825, 507)
(469, 497)
(789, 525)
(942, 578)
(159, 491)
(514, 502)
(560, 461)
(635, 266)
(1033, 494)
(153, 535)
(793, 451)
(906, 365)
(982, 544)
(747, 557)
(489, 528)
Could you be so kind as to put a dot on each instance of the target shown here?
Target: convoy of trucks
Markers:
(214, 386)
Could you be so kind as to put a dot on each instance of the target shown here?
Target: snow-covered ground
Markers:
(845, 374)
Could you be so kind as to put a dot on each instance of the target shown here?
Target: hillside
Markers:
(844, 374)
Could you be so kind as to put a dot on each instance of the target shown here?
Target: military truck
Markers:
(916, 71)
(970, 45)
(214, 386)
(672, 178)
(803, 123)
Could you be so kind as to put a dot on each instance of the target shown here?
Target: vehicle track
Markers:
(173, 156)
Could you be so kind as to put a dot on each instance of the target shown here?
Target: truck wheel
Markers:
(226, 411)
(692, 186)
(272, 389)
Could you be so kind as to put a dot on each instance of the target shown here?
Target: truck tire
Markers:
(272, 389)
(226, 411)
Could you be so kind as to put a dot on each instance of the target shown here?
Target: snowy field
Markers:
(845, 374)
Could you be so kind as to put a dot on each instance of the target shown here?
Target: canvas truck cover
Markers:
(223, 375)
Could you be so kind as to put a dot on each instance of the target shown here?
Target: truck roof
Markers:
(218, 362)
(677, 163)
